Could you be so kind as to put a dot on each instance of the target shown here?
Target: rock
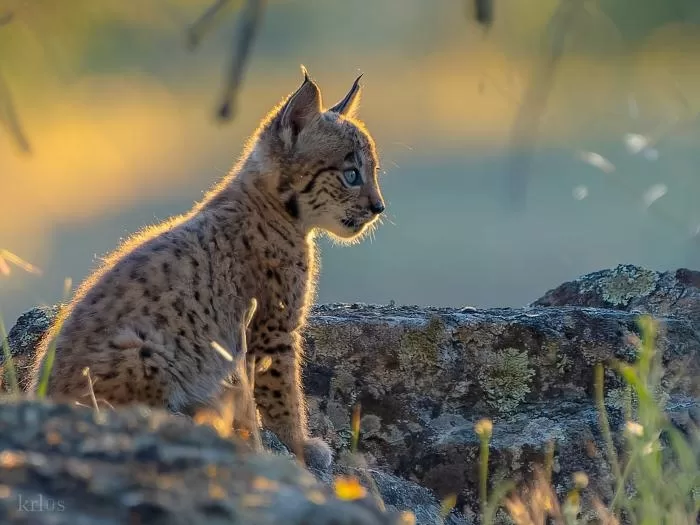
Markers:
(64, 464)
(24, 336)
(424, 376)
(395, 493)
(633, 289)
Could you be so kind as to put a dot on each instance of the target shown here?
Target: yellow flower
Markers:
(448, 504)
(634, 429)
(580, 480)
(484, 428)
(348, 488)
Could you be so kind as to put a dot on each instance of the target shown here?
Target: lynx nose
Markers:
(376, 207)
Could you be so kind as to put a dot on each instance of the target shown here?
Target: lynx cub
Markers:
(144, 323)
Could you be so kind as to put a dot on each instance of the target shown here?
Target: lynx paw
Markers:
(318, 456)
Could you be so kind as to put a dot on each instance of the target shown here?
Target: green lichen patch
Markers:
(625, 283)
(505, 378)
(421, 346)
(330, 339)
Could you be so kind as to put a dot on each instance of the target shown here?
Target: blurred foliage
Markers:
(118, 112)
(59, 34)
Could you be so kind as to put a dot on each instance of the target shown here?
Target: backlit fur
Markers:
(144, 322)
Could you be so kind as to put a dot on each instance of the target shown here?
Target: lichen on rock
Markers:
(505, 378)
(625, 283)
(423, 343)
(423, 376)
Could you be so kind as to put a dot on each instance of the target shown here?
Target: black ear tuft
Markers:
(351, 102)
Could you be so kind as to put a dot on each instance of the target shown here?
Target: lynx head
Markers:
(324, 161)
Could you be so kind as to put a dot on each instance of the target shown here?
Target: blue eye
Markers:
(352, 177)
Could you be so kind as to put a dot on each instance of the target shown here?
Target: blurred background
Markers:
(561, 139)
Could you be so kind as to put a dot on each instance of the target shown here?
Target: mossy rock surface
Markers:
(424, 376)
(63, 464)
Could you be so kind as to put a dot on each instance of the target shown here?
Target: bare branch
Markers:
(250, 19)
(204, 22)
(9, 117)
(525, 130)
(483, 12)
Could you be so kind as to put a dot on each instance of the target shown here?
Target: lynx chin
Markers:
(148, 321)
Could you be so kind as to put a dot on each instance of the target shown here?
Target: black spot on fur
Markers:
(179, 306)
(277, 349)
(275, 373)
(146, 353)
(292, 206)
(97, 299)
(276, 394)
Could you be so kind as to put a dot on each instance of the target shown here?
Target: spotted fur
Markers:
(145, 321)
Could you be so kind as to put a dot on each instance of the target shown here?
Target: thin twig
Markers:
(95, 405)
(9, 116)
(204, 22)
(483, 12)
(249, 23)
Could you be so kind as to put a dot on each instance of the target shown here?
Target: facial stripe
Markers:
(310, 185)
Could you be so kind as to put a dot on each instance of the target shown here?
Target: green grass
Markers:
(9, 370)
(656, 473)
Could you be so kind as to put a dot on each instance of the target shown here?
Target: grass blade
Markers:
(9, 366)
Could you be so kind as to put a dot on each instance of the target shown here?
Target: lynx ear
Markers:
(351, 103)
(301, 107)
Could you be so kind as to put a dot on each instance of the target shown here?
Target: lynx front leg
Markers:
(280, 401)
